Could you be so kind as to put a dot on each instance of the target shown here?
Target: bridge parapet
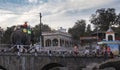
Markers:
(26, 61)
(44, 51)
(45, 59)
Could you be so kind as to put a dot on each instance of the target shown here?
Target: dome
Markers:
(110, 30)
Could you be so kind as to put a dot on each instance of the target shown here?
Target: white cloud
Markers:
(31, 1)
(4, 18)
(55, 12)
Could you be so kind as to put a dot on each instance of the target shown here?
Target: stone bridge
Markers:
(26, 61)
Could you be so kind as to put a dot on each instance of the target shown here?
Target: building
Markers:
(110, 40)
(110, 35)
(88, 41)
(59, 38)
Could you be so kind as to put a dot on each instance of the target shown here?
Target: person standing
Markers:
(86, 51)
(108, 49)
(76, 50)
(111, 55)
(97, 49)
(105, 55)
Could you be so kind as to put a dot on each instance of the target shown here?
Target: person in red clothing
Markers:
(75, 49)
(108, 50)
(25, 25)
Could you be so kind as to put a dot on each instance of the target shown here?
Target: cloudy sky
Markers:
(55, 13)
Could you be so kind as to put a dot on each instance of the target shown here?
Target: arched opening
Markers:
(51, 66)
(55, 42)
(110, 38)
(48, 42)
(2, 68)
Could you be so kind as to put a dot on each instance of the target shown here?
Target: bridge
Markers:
(46, 60)
(26, 61)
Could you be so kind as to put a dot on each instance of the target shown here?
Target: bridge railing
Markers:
(51, 51)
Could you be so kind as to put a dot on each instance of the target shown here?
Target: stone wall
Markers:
(12, 61)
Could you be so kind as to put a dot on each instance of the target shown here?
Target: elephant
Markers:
(19, 37)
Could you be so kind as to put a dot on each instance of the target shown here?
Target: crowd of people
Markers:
(105, 51)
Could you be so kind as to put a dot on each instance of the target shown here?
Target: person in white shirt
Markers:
(86, 51)
(97, 49)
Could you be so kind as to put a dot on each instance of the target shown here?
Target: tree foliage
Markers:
(36, 30)
(7, 34)
(103, 18)
(78, 29)
(88, 30)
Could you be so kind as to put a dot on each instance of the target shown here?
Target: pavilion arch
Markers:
(48, 42)
(110, 38)
(2, 68)
(51, 65)
(55, 42)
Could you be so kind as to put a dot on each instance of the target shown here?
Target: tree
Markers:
(1, 34)
(117, 20)
(103, 18)
(36, 30)
(88, 30)
(117, 31)
(78, 29)
(7, 35)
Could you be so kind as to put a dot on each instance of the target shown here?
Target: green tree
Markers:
(88, 30)
(7, 35)
(36, 30)
(117, 20)
(103, 18)
(117, 31)
(78, 29)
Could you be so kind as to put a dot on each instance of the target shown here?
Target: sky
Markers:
(55, 13)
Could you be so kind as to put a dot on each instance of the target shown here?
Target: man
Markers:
(25, 25)
(97, 49)
(76, 50)
(108, 49)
